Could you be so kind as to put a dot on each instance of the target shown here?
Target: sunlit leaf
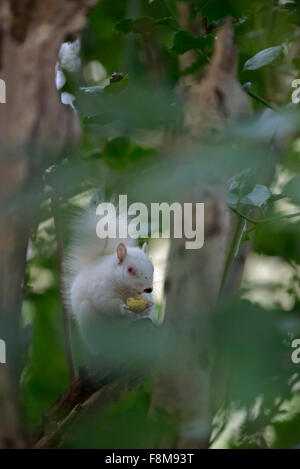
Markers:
(258, 197)
(92, 89)
(263, 58)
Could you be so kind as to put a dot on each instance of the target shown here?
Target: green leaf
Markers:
(296, 62)
(166, 21)
(94, 155)
(264, 57)
(183, 41)
(278, 238)
(242, 183)
(258, 197)
(292, 190)
(242, 189)
(245, 237)
(124, 26)
(117, 87)
(215, 10)
(137, 153)
(119, 147)
(99, 119)
(92, 89)
(143, 25)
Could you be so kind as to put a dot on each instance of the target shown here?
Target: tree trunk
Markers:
(183, 388)
(33, 126)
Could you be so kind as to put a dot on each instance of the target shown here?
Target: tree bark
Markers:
(34, 126)
(183, 387)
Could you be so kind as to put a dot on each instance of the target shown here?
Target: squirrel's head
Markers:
(134, 269)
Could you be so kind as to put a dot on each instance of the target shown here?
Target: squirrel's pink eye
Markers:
(131, 270)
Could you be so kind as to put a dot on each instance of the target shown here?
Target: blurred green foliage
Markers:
(125, 118)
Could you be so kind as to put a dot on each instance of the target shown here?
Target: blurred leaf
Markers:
(279, 238)
(296, 63)
(245, 236)
(215, 10)
(183, 42)
(253, 359)
(243, 190)
(252, 343)
(287, 433)
(258, 197)
(118, 147)
(292, 190)
(124, 26)
(166, 21)
(263, 58)
(117, 87)
(242, 183)
(121, 152)
(127, 425)
(99, 119)
(45, 375)
(93, 89)
(143, 25)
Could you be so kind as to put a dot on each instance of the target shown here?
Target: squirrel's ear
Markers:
(121, 252)
(145, 248)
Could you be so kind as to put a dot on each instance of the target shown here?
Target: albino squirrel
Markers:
(101, 274)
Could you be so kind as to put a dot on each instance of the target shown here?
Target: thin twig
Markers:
(80, 402)
(231, 253)
(65, 314)
(261, 100)
(245, 217)
(236, 240)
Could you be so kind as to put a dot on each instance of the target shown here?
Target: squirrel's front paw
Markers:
(147, 311)
(128, 312)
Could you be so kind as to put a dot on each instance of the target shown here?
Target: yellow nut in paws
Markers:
(137, 304)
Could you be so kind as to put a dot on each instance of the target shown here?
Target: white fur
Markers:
(97, 283)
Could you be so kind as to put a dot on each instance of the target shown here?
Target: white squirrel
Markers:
(101, 274)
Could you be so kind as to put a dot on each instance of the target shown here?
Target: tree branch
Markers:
(65, 313)
(31, 34)
(95, 395)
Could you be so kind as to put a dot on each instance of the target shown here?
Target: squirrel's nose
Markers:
(148, 290)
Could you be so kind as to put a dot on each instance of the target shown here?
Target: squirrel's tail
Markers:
(86, 246)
